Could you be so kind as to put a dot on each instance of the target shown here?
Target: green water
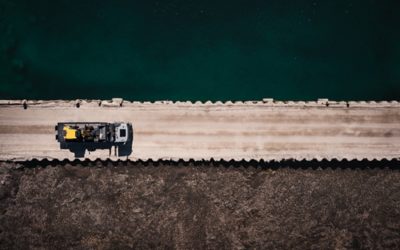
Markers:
(200, 50)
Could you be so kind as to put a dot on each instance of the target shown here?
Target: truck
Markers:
(94, 133)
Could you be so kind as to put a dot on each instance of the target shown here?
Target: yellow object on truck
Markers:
(69, 133)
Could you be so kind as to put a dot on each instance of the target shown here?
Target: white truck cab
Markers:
(121, 133)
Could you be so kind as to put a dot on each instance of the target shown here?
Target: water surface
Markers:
(200, 50)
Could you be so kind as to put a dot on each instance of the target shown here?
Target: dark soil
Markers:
(197, 207)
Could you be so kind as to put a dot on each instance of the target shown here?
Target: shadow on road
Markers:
(79, 149)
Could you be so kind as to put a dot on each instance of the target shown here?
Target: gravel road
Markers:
(247, 131)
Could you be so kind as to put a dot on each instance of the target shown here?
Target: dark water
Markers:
(200, 50)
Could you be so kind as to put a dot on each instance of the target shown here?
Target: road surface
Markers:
(251, 130)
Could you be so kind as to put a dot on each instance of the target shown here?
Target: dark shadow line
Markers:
(288, 163)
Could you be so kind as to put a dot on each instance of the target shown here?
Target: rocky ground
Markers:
(197, 206)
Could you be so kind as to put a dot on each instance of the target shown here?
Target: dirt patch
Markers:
(183, 207)
(25, 129)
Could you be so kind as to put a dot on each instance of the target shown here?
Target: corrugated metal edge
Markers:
(393, 163)
(71, 159)
(119, 102)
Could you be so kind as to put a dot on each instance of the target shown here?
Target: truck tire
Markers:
(56, 128)
(57, 137)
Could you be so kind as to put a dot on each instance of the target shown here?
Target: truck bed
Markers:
(81, 125)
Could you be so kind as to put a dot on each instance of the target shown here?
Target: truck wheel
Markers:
(57, 137)
(56, 128)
